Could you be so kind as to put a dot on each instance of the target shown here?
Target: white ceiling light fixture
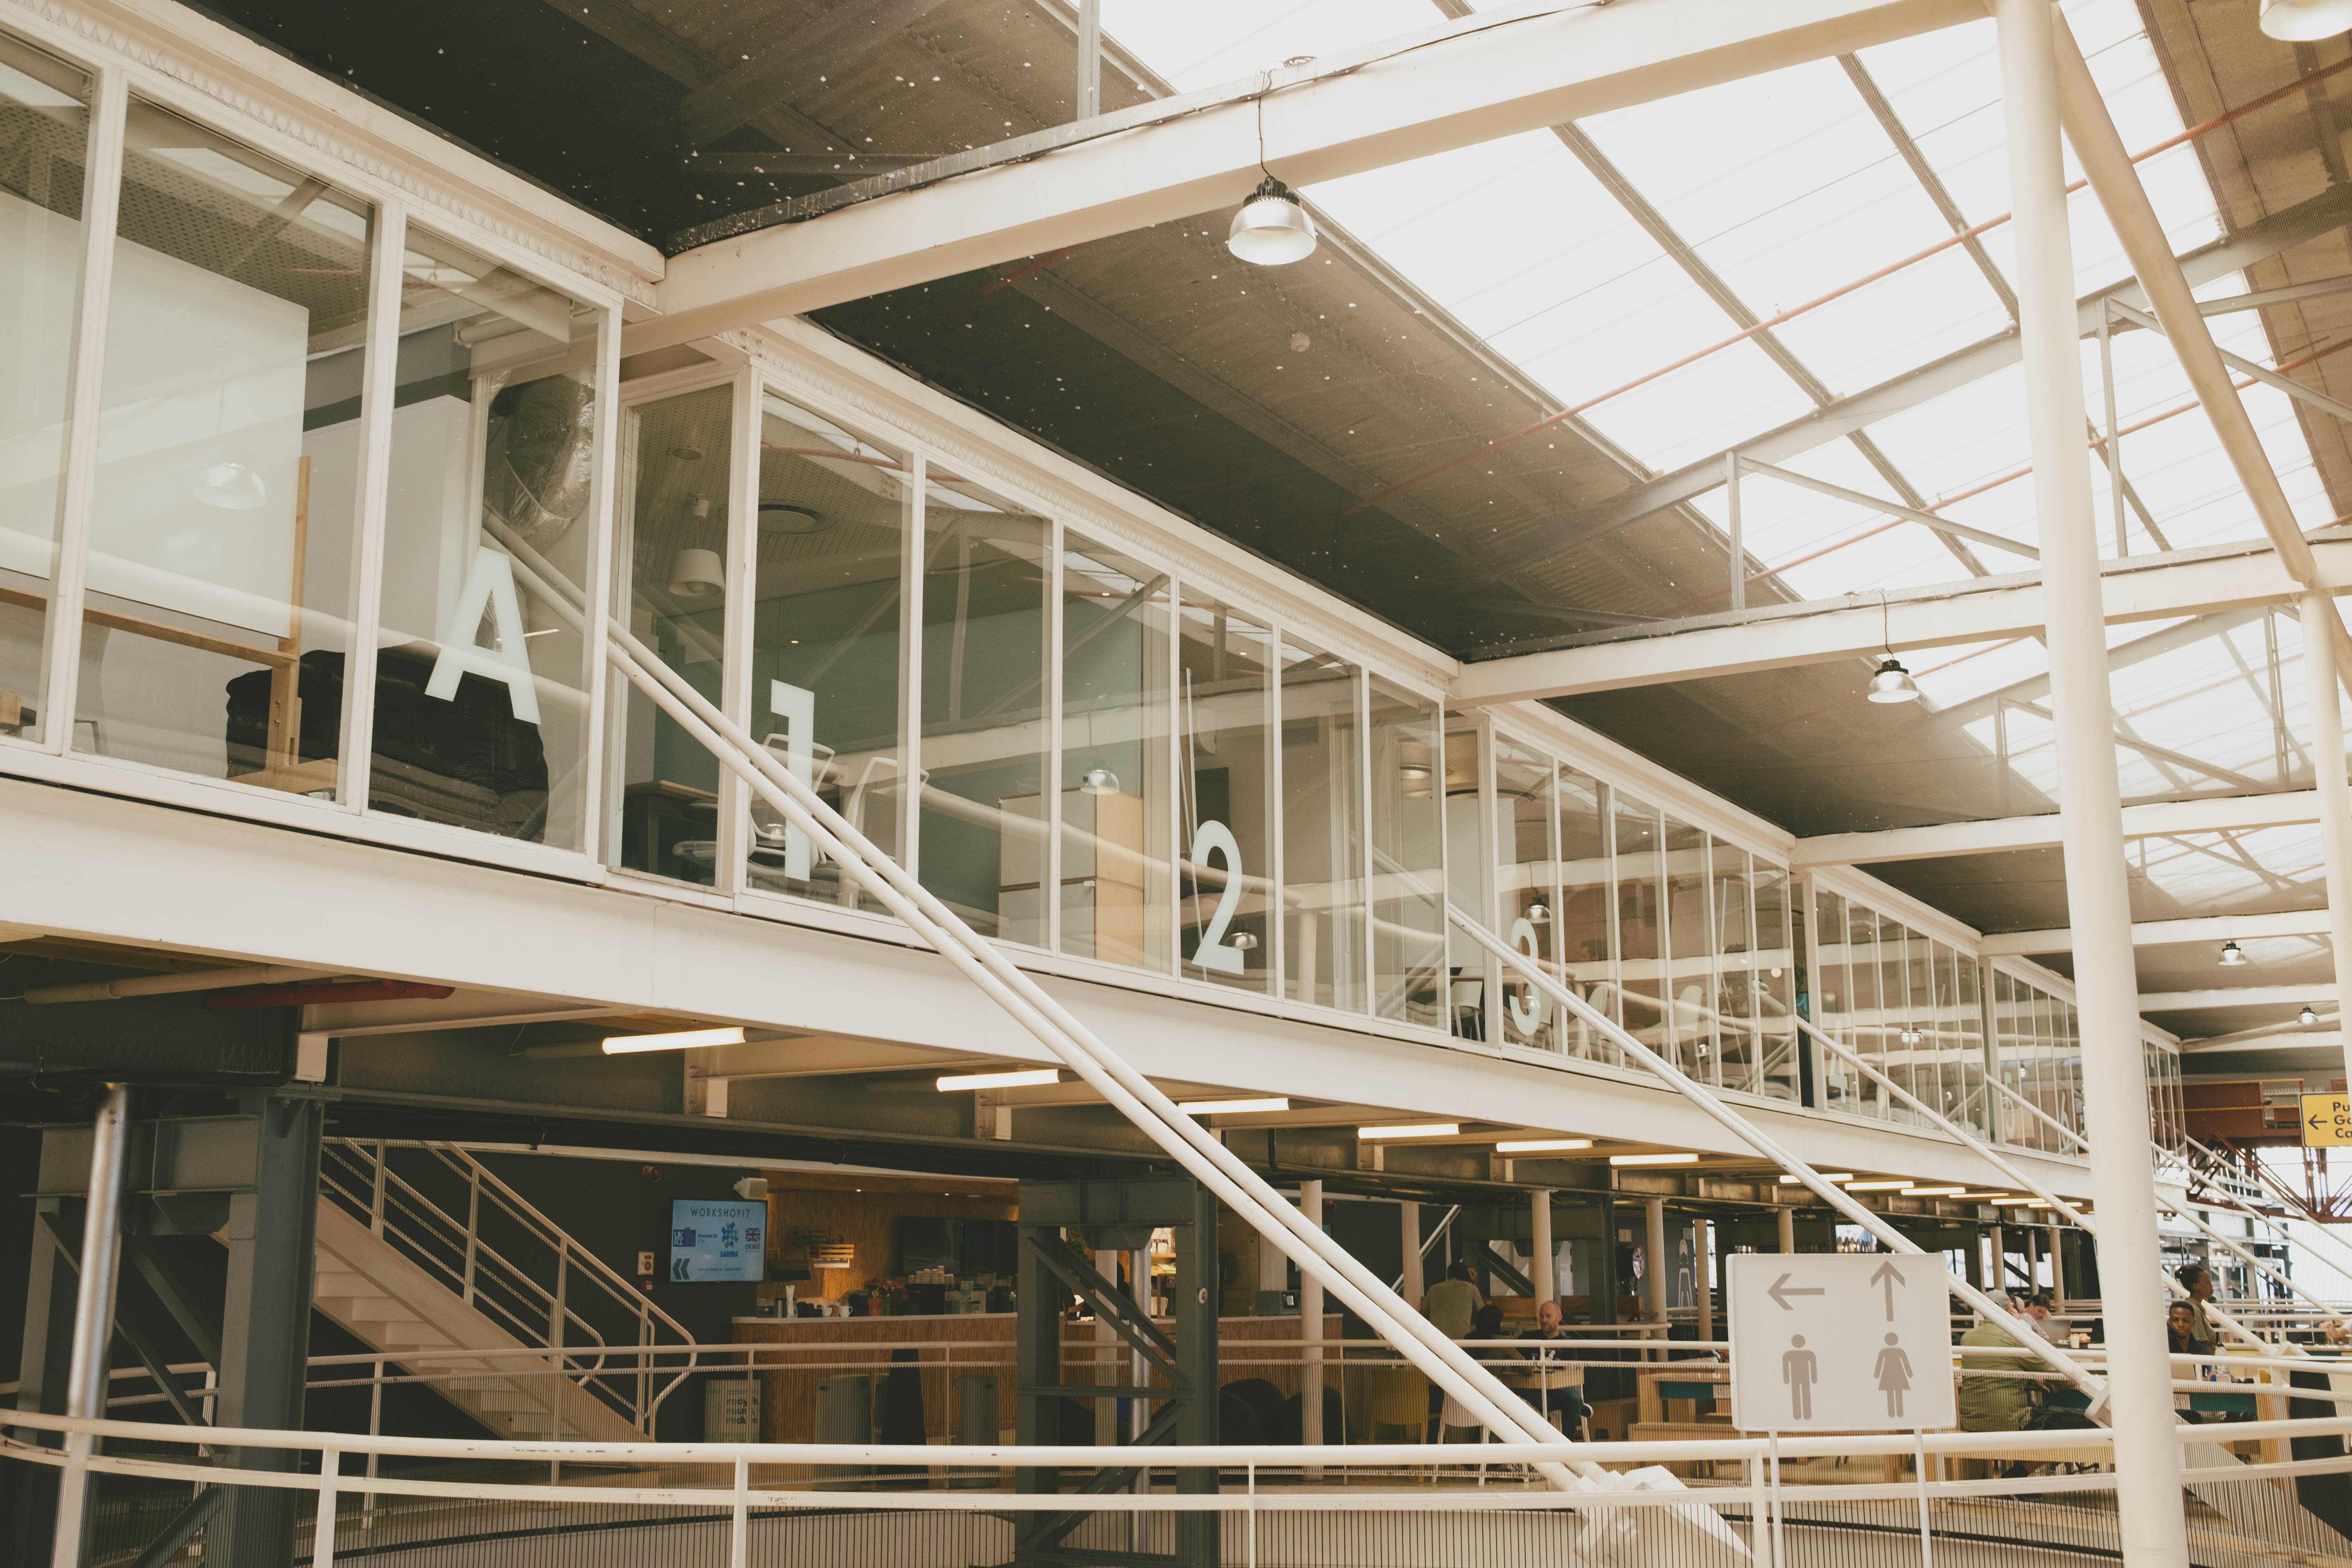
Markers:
(2308, 1016)
(1541, 1145)
(1411, 1130)
(1933, 1192)
(696, 573)
(1230, 1107)
(2306, 21)
(1910, 1035)
(1539, 913)
(1799, 1180)
(675, 1040)
(1023, 1078)
(1876, 1186)
(1272, 230)
(1654, 1159)
(1098, 781)
(2233, 956)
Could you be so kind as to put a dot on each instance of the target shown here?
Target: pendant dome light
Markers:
(1892, 683)
(2233, 956)
(2308, 1016)
(1272, 230)
(1098, 781)
(2306, 21)
(696, 574)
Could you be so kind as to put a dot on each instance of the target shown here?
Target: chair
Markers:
(1401, 1398)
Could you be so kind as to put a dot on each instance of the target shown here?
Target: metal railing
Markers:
(534, 1281)
(1770, 1501)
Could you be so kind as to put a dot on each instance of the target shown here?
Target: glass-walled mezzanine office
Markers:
(325, 521)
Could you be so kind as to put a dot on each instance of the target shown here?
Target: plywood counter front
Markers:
(812, 1349)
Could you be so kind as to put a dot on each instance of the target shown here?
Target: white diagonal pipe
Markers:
(1770, 1147)
(1242, 1189)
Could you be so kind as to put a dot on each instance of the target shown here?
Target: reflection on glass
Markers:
(1831, 995)
(829, 543)
(1585, 918)
(1118, 895)
(1690, 950)
(1470, 975)
(1322, 830)
(1526, 817)
(1224, 671)
(1974, 1097)
(1779, 1073)
(1872, 1038)
(984, 752)
(481, 704)
(671, 590)
(43, 125)
(225, 505)
(1408, 877)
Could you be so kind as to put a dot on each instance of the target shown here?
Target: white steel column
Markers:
(1998, 1285)
(1409, 1231)
(1787, 1217)
(1653, 1255)
(1310, 1326)
(1541, 1270)
(93, 1328)
(2114, 1089)
(1702, 1255)
(2326, 741)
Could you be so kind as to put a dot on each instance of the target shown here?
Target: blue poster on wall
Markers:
(715, 1240)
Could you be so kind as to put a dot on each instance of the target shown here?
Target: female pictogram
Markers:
(1893, 1369)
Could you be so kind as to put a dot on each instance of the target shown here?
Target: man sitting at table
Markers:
(1568, 1398)
(1987, 1404)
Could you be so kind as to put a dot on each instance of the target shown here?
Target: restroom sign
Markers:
(2326, 1121)
(1840, 1342)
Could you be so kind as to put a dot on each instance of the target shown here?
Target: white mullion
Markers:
(619, 600)
(378, 397)
(595, 588)
(1179, 761)
(1049, 780)
(102, 197)
(1277, 974)
(913, 553)
(735, 629)
(1489, 886)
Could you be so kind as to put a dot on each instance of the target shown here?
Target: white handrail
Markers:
(1770, 1147)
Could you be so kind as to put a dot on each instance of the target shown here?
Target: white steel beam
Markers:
(1990, 609)
(2002, 835)
(1490, 75)
(2314, 992)
(2160, 934)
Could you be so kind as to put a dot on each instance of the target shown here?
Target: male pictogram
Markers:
(1799, 1369)
(1893, 1369)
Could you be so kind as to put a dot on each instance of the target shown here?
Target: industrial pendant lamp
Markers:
(1098, 781)
(2308, 1016)
(1891, 682)
(2233, 956)
(1272, 230)
(2306, 21)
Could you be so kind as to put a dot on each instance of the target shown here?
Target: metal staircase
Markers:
(424, 1254)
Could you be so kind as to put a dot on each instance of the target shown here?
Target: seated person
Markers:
(1987, 1404)
(1452, 1304)
(1568, 1399)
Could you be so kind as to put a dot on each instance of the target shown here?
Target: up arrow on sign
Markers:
(1888, 1277)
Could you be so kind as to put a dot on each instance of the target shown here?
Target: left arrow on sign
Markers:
(1780, 1290)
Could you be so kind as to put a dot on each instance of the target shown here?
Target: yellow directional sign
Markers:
(2326, 1121)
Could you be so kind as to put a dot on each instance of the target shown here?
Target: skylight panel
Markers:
(1203, 42)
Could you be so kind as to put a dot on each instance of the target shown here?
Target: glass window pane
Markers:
(1871, 1038)
(1468, 883)
(1641, 914)
(1224, 674)
(225, 506)
(490, 530)
(670, 588)
(43, 128)
(1322, 830)
(1408, 882)
(1588, 925)
(1735, 945)
(1118, 892)
(831, 537)
(1779, 1073)
(983, 757)
(1832, 998)
(1527, 816)
(1690, 951)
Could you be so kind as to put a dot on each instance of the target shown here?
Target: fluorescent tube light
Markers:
(1933, 1192)
(1411, 1130)
(1025, 1077)
(1541, 1145)
(1230, 1107)
(1654, 1159)
(1836, 1176)
(677, 1040)
(1875, 1187)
